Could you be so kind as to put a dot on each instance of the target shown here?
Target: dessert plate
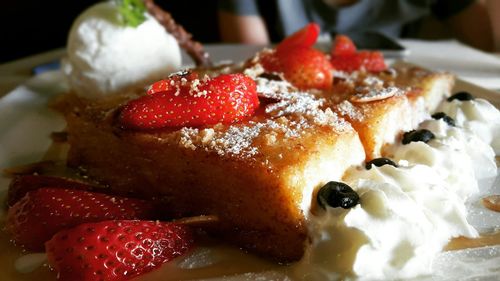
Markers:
(26, 123)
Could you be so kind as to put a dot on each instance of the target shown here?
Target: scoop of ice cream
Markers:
(105, 56)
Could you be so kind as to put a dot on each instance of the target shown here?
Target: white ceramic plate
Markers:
(26, 123)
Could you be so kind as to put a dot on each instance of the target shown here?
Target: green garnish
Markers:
(132, 11)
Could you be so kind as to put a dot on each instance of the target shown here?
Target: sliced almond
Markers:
(375, 95)
(492, 202)
(198, 220)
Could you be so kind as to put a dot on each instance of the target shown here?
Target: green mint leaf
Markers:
(132, 11)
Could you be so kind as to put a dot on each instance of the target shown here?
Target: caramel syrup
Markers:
(460, 243)
(230, 260)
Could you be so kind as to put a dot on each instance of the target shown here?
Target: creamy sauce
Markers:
(209, 260)
(228, 261)
(8, 256)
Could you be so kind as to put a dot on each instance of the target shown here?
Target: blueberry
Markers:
(461, 96)
(417, 135)
(271, 76)
(441, 115)
(379, 162)
(337, 194)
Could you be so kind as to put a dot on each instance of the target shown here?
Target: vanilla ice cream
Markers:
(104, 56)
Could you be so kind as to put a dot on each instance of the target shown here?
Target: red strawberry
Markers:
(368, 60)
(342, 46)
(172, 82)
(372, 61)
(21, 185)
(305, 37)
(305, 68)
(225, 99)
(346, 58)
(116, 250)
(302, 65)
(347, 63)
(45, 211)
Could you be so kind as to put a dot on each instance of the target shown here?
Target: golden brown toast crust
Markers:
(258, 176)
(381, 106)
(255, 189)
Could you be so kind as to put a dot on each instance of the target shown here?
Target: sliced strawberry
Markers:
(372, 61)
(305, 37)
(21, 185)
(173, 82)
(301, 64)
(43, 212)
(346, 58)
(305, 68)
(342, 46)
(225, 99)
(347, 63)
(116, 250)
(367, 60)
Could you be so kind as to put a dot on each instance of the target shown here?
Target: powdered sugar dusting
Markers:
(238, 139)
(293, 115)
(345, 108)
(368, 94)
(274, 89)
(295, 102)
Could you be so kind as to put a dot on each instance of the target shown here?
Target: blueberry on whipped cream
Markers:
(379, 162)
(337, 194)
(422, 135)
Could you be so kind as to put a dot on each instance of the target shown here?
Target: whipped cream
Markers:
(477, 116)
(405, 217)
(450, 163)
(407, 214)
(462, 140)
(105, 57)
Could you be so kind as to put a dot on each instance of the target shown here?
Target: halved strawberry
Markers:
(305, 37)
(344, 57)
(116, 250)
(226, 98)
(21, 185)
(342, 46)
(174, 81)
(372, 61)
(347, 63)
(43, 212)
(301, 64)
(305, 68)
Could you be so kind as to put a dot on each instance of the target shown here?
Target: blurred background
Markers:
(29, 27)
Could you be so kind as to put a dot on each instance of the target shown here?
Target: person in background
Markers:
(266, 21)
(493, 7)
(29, 27)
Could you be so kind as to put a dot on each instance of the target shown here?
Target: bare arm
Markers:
(247, 29)
(494, 11)
(473, 26)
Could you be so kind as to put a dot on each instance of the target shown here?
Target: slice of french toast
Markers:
(257, 176)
